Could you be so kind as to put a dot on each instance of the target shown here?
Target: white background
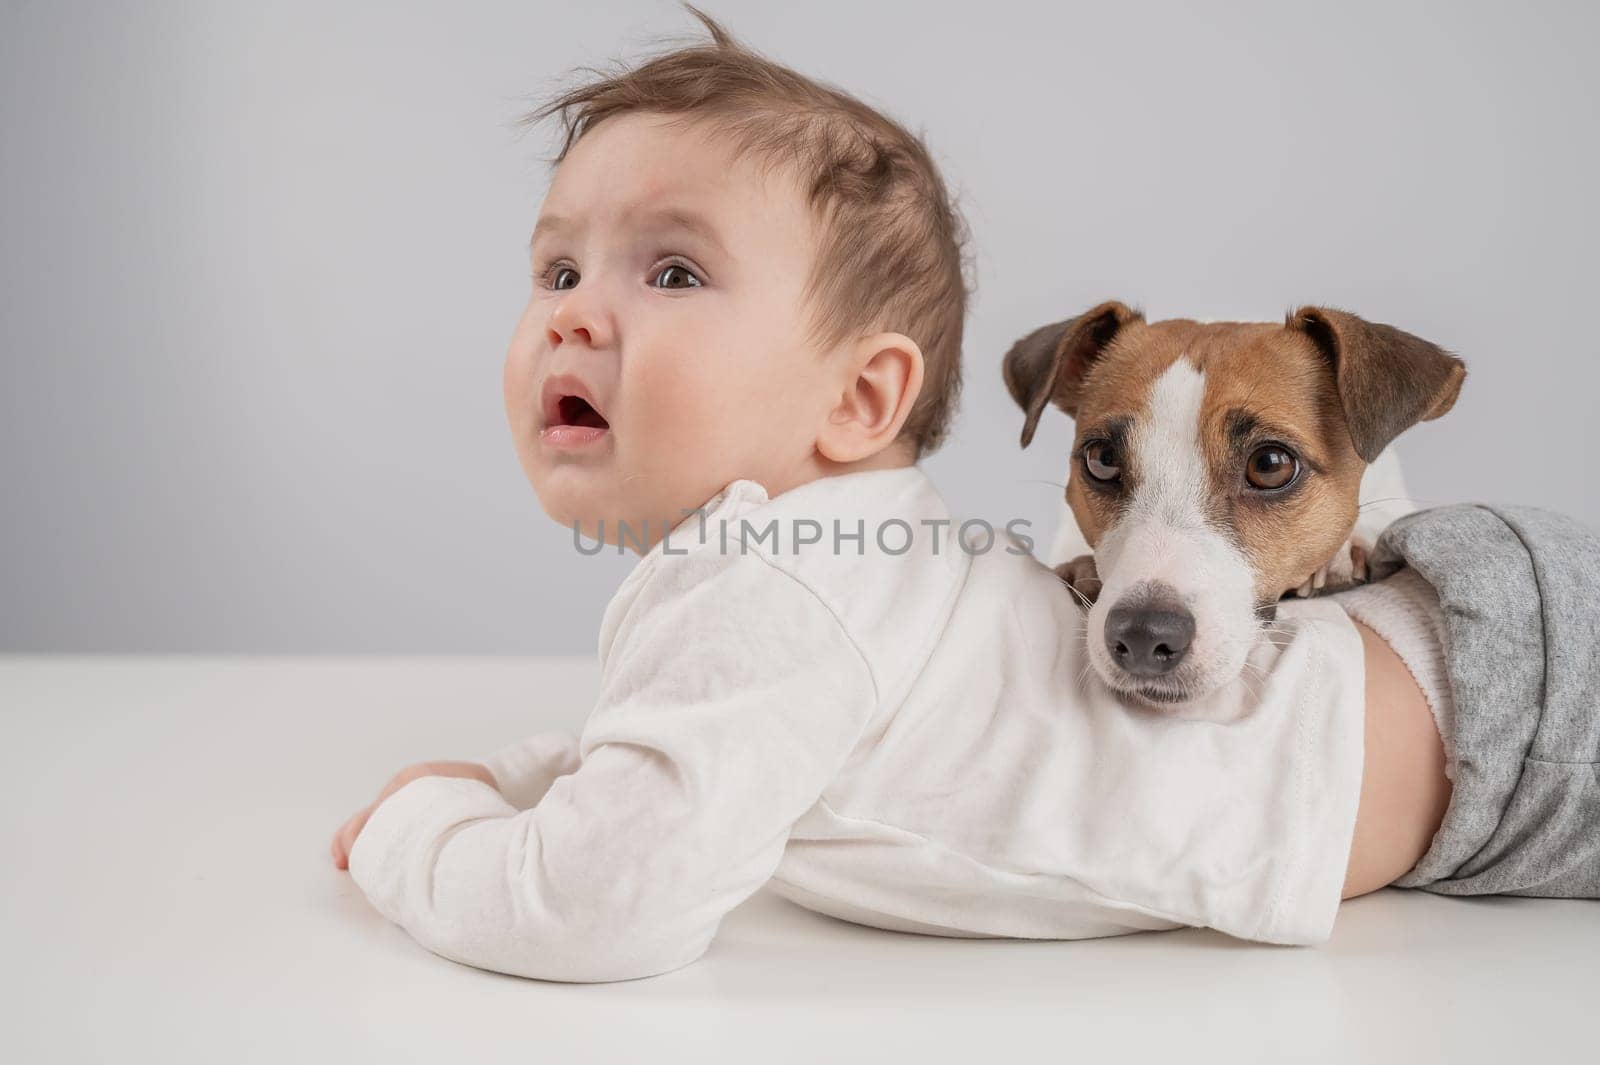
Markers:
(260, 262)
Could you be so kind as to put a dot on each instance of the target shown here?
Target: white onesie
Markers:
(902, 736)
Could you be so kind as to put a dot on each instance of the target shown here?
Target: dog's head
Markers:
(1215, 467)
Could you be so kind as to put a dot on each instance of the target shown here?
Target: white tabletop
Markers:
(164, 828)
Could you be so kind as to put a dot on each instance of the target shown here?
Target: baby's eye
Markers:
(675, 276)
(564, 277)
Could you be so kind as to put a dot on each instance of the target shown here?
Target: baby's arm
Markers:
(523, 771)
(1404, 790)
(731, 698)
(345, 837)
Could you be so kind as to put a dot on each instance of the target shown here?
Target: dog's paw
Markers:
(1082, 578)
(1346, 569)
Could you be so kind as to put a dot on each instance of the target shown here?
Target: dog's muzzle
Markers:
(1150, 638)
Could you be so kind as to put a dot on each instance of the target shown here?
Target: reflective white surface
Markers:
(164, 828)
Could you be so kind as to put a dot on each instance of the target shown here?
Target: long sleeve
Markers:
(730, 697)
(524, 770)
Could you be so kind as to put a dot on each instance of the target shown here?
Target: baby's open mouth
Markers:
(571, 420)
(575, 410)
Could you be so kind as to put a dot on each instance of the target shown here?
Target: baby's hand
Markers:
(1346, 569)
(345, 838)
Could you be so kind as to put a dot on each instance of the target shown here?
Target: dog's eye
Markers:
(1270, 467)
(1100, 460)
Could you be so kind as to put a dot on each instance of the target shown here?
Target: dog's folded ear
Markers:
(1049, 363)
(1388, 380)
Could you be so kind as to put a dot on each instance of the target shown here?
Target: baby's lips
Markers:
(572, 436)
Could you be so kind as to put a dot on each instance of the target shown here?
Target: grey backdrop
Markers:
(261, 262)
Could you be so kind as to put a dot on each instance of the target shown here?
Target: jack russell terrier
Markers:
(1217, 467)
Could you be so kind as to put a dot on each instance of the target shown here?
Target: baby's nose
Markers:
(576, 333)
(582, 316)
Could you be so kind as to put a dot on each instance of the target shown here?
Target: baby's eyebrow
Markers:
(648, 218)
(682, 218)
(549, 225)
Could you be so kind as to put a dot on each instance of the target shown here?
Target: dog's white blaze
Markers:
(1164, 536)
(1166, 442)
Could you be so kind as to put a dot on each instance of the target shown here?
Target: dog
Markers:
(1217, 467)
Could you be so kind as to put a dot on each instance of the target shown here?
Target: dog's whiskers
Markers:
(1085, 600)
(1404, 499)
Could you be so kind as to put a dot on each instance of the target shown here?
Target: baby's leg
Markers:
(1519, 590)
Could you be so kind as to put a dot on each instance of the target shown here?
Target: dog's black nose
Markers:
(1149, 641)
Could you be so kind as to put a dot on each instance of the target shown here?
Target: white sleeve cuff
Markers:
(1404, 611)
(420, 815)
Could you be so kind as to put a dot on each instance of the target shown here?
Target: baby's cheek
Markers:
(516, 393)
(675, 403)
(518, 377)
(687, 434)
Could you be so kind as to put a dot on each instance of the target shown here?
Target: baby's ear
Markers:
(1388, 380)
(1050, 362)
(884, 379)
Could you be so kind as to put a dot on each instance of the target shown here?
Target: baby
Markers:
(744, 331)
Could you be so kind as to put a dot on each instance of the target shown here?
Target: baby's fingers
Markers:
(345, 838)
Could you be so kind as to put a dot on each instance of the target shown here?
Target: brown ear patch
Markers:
(1388, 379)
(1049, 363)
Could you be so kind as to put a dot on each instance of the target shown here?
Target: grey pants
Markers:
(1520, 589)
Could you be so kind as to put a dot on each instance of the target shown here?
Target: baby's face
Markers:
(664, 350)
